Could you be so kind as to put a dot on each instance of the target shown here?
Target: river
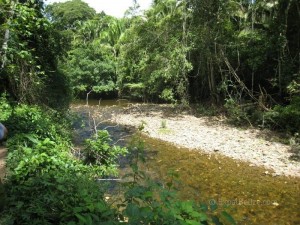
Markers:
(248, 194)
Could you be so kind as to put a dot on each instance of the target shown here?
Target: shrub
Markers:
(33, 120)
(236, 113)
(286, 117)
(46, 185)
(5, 108)
(98, 151)
(57, 198)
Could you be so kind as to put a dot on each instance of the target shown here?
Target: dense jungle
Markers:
(186, 113)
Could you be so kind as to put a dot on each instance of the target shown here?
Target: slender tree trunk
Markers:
(211, 78)
(185, 96)
(7, 34)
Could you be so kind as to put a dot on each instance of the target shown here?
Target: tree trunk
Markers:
(7, 34)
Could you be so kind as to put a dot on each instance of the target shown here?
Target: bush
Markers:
(98, 151)
(237, 114)
(206, 110)
(5, 108)
(26, 119)
(42, 157)
(47, 185)
(56, 198)
(286, 117)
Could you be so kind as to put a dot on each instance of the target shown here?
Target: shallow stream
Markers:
(249, 194)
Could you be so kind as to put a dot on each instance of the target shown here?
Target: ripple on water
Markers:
(248, 193)
(252, 196)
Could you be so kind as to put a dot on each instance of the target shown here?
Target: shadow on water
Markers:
(249, 194)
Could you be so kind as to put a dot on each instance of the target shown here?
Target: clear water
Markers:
(247, 193)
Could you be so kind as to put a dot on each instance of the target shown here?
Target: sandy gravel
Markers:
(209, 134)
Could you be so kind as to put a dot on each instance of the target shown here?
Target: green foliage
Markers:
(40, 158)
(91, 68)
(168, 95)
(92, 64)
(160, 206)
(59, 94)
(56, 198)
(294, 87)
(245, 114)
(286, 117)
(99, 151)
(31, 47)
(26, 119)
(134, 90)
(5, 108)
(206, 110)
(157, 57)
(45, 183)
(163, 124)
(148, 202)
(236, 114)
(68, 15)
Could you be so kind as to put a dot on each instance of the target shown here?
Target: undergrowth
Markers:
(46, 184)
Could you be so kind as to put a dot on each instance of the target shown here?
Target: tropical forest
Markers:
(184, 113)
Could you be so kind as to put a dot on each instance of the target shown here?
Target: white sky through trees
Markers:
(111, 7)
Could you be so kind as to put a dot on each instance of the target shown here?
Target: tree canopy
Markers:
(179, 51)
(240, 55)
(69, 14)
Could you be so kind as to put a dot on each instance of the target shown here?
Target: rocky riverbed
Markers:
(208, 134)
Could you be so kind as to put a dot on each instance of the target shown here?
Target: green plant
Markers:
(57, 198)
(33, 120)
(45, 184)
(98, 151)
(149, 202)
(163, 124)
(5, 108)
(42, 157)
(243, 114)
(235, 113)
(206, 110)
(286, 117)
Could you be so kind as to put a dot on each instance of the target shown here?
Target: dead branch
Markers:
(87, 97)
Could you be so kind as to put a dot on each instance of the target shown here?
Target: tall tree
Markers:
(154, 54)
(91, 63)
(68, 15)
(29, 65)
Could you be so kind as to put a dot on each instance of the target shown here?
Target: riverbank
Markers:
(204, 176)
(208, 134)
